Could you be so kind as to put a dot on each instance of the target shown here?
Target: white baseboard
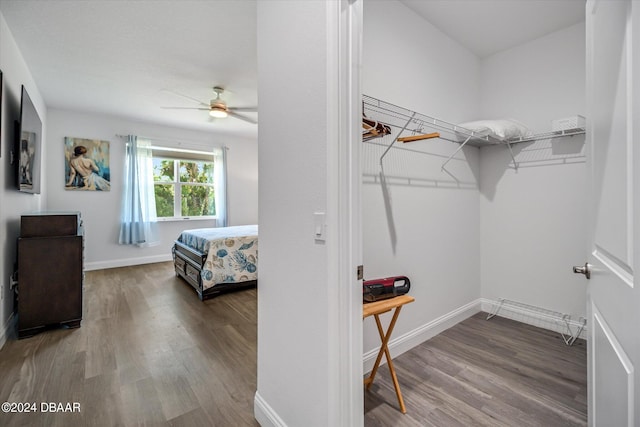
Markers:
(101, 265)
(407, 341)
(264, 413)
(8, 328)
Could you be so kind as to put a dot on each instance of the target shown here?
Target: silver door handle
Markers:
(583, 269)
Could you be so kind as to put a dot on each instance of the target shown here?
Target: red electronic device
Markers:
(389, 287)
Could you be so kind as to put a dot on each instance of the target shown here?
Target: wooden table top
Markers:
(378, 307)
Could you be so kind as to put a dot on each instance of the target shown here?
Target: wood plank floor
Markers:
(485, 373)
(149, 352)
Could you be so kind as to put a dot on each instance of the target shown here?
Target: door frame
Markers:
(344, 21)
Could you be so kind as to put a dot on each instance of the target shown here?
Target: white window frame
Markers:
(177, 185)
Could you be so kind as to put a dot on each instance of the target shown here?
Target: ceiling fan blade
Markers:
(242, 117)
(244, 109)
(188, 97)
(185, 108)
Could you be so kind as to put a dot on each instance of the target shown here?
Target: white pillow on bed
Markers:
(501, 129)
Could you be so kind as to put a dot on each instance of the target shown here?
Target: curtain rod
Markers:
(170, 140)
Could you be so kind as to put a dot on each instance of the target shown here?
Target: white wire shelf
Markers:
(403, 121)
(548, 135)
(540, 317)
(414, 122)
(400, 118)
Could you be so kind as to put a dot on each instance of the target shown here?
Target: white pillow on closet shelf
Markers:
(502, 129)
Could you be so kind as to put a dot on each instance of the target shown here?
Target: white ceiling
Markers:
(124, 57)
(128, 58)
(489, 26)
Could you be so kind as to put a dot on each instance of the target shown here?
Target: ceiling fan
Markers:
(218, 108)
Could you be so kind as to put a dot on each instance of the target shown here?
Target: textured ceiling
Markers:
(128, 57)
(489, 26)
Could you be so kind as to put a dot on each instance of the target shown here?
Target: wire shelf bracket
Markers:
(396, 138)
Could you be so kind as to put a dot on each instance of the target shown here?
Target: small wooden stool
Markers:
(376, 309)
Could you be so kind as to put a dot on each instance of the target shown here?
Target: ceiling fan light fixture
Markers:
(218, 113)
(218, 109)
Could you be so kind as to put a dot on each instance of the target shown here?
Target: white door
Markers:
(613, 135)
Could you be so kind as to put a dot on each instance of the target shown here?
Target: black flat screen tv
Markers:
(29, 146)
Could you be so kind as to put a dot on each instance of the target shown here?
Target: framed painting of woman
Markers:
(87, 164)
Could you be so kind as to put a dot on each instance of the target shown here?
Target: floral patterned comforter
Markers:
(232, 253)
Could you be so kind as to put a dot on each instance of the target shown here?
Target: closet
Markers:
(476, 222)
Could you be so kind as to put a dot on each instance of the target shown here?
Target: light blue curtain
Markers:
(220, 183)
(138, 221)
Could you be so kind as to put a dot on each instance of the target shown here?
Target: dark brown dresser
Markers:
(50, 272)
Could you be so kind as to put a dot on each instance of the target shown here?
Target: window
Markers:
(184, 183)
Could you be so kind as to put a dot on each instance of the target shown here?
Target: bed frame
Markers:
(188, 263)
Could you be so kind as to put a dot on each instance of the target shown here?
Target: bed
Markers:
(216, 260)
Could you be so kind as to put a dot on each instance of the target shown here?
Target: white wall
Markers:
(435, 220)
(101, 210)
(538, 81)
(13, 203)
(533, 220)
(299, 335)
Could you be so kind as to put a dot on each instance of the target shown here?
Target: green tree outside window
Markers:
(193, 185)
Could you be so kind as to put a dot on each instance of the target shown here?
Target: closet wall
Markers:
(422, 224)
(533, 220)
